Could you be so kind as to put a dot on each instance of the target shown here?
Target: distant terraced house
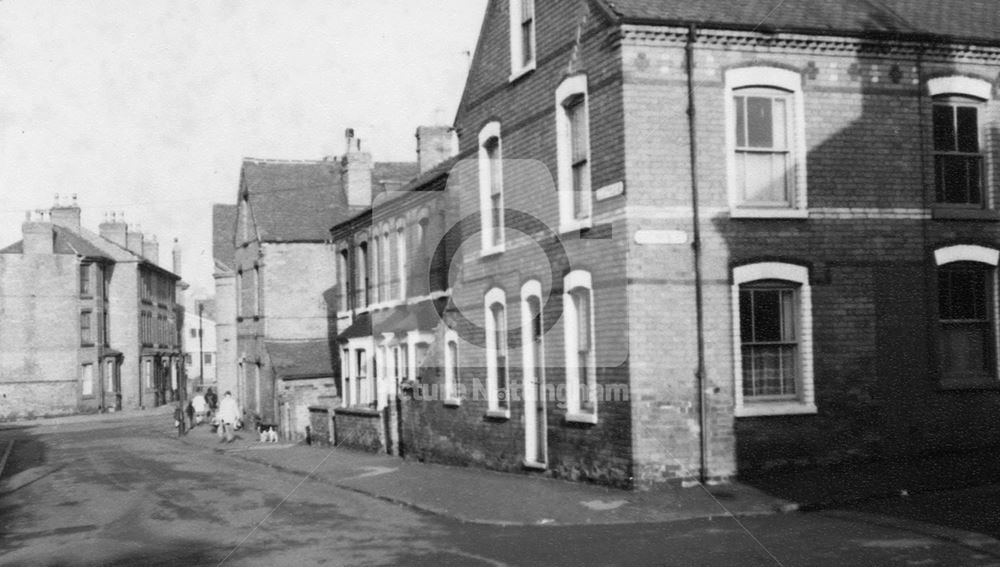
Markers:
(88, 322)
(282, 269)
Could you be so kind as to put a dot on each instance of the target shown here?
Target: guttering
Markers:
(696, 249)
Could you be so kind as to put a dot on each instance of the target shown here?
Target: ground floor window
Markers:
(966, 308)
(772, 339)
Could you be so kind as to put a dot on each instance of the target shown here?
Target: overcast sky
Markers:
(148, 106)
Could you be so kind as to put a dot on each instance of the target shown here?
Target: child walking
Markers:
(179, 418)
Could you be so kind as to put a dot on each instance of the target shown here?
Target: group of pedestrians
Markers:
(206, 407)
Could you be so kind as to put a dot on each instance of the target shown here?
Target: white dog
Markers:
(268, 434)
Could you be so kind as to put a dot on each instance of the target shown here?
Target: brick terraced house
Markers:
(284, 272)
(700, 238)
(88, 321)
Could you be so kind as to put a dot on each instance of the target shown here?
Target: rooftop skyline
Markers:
(148, 107)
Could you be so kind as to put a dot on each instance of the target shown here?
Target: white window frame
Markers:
(495, 296)
(979, 93)
(489, 132)
(768, 78)
(533, 373)
(979, 255)
(518, 66)
(574, 282)
(571, 87)
(806, 402)
(451, 369)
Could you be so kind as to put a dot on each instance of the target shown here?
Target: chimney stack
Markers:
(66, 215)
(114, 229)
(177, 257)
(435, 144)
(39, 238)
(357, 172)
(151, 249)
(133, 239)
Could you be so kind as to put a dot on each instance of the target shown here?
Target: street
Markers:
(130, 493)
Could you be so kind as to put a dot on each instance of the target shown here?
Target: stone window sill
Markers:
(775, 408)
(498, 414)
(945, 212)
(585, 418)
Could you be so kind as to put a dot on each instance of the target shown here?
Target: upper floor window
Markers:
(343, 277)
(958, 108)
(522, 37)
(773, 339)
(581, 364)
(86, 278)
(491, 201)
(958, 161)
(86, 328)
(966, 290)
(386, 258)
(766, 142)
(573, 153)
(362, 286)
(496, 353)
(376, 268)
(401, 258)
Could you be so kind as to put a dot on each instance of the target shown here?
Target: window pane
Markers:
(766, 316)
(764, 177)
(788, 333)
(527, 53)
(944, 127)
(760, 124)
(966, 351)
(962, 293)
(968, 129)
(497, 218)
(581, 301)
(780, 123)
(578, 128)
(741, 122)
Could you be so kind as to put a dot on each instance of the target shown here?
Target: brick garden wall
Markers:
(357, 428)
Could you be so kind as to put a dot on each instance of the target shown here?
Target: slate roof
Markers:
(394, 172)
(294, 200)
(301, 200)
(88, 245)
(301, 359)
(970, 19)
(223, 227)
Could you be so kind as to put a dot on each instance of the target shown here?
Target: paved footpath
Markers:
(485, 497)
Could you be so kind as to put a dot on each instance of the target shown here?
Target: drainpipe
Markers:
(696, 249)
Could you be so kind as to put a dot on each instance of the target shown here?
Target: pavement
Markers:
(485, 497)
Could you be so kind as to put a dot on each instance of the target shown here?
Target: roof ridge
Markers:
(284, 161)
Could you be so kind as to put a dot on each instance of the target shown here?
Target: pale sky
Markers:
(148, 106)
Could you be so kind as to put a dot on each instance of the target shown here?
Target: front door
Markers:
(113, 380)
(535, 428)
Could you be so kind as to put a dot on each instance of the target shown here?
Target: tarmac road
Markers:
(128, 493)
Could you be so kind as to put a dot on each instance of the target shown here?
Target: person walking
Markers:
(189, 410)
(179, 418)
(229, 414)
